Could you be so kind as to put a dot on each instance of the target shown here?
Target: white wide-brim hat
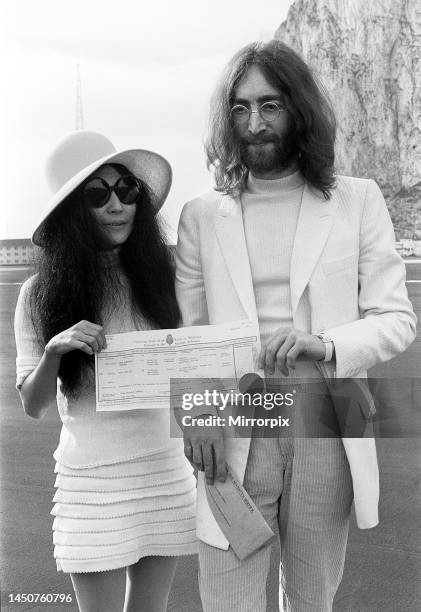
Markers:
(80, 153)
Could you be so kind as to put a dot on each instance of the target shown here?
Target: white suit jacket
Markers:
(346, 278)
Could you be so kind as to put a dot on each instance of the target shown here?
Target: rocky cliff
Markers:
(368, 55)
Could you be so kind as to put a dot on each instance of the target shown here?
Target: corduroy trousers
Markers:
(303, 488)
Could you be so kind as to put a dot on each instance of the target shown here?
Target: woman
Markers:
(125, 493)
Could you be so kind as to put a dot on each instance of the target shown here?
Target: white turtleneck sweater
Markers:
(270, 215)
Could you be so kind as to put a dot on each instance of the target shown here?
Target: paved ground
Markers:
(383, 566)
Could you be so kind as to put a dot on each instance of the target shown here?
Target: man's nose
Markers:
(114, 205)
(255, 123)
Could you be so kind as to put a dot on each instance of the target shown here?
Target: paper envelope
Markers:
(238, 517)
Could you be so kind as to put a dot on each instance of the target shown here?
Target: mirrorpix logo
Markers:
(169, 340)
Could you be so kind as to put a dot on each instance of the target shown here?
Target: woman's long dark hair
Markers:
(73, 283)
(308, 105)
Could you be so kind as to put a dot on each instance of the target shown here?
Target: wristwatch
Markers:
(329, 346)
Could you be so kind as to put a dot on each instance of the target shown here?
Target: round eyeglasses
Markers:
(97, 192)
(268, 111)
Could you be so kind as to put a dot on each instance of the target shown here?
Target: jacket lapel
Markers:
(313, 227)
(229, 229)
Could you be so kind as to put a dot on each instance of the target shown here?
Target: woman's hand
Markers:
(38, 391)
(285, 346)
(84, 336)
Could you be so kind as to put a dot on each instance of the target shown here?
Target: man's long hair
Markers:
(75, 283)
(313, 120)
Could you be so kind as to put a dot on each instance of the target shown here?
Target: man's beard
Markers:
(275, 157)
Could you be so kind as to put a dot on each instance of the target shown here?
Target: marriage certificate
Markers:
(135, 369)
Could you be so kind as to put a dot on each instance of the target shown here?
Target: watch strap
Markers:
(329, 346)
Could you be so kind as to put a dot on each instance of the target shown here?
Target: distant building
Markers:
(17, 251)
(407, 247)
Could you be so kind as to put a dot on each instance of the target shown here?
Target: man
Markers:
(311, 256)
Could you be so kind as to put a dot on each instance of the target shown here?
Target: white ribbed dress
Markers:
(124, 487)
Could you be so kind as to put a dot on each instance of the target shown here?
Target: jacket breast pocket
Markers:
(334, 266)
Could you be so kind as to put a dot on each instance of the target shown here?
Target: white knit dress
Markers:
(124, 488)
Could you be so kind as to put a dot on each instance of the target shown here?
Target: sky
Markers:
(148, 70)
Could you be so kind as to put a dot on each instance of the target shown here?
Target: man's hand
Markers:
(284, 348)
(204, 448)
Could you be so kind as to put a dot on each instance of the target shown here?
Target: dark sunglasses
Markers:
(96, 192)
